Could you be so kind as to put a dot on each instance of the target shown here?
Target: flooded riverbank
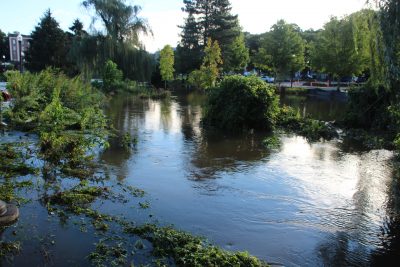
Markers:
(303, 204)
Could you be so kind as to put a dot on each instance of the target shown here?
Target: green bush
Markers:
(66, 114)
(242, 103)
(112, 77)
(290, 120)
(368, 107)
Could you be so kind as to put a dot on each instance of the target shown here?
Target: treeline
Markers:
(78, 52)
(348, 46)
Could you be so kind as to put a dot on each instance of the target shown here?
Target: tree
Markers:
(285, 47)
(112, 76)
(211, 19)
(189, 51)
(338, 51)
(390, 24)
(77, 29)
(237, 56)
(209, 70)
(4, 46)
(47, 46)
(262, 60)
(167, 64)
(121, 21)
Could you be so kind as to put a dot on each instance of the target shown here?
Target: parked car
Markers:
(268, 79)
(347, 79)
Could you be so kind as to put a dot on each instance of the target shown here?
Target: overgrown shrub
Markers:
(290, 120)
(367, 107)
(112, 77)
(242, 103)
(66, 114)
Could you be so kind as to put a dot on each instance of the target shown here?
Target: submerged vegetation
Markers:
(239, 103)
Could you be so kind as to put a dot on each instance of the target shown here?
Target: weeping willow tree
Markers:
(119, 41)
(390, 23)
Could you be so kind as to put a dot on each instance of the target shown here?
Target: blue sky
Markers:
(256, 16)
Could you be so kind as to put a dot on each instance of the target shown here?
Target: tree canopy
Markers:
(207, 19)
(284, 49)
(47, 46)
(167, 63)
(122, 21)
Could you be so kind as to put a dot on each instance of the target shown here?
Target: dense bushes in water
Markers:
(66, 113)
(375, 109)
(249, 103)
(290, 120)
(242, 103)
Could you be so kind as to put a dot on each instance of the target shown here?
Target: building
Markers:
(15, 46)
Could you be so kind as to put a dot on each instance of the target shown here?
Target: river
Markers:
(303, 204)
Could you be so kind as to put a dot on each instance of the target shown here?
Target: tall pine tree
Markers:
(210, 19)
(47, 47)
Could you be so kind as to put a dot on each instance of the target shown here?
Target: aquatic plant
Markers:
(13, 161)
(186, 249)
(290, 120)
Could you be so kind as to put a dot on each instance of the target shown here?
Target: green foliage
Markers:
(237, 55)
(167, 63)
(48, 45)
(242, 103)
(188, 51)
(209, 71)
(66, 113)
(112, 77)
(262, 60)
(368, 107)
(350, 46)
(189, 250)
(290, 120)
(285, 47)
(79, 196)
(272, 142)
(206, 19)
(121, 20)
(13, 161)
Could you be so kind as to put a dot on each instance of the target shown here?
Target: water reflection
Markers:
(325, 107)
(306, 203)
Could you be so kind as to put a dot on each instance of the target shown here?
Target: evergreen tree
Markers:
(237, 55)
(210, 19)
(47, 46)
(77, 28)
(4, 46)
(223, 26)
(188, 51)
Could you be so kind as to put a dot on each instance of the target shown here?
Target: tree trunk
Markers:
(165, 85)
